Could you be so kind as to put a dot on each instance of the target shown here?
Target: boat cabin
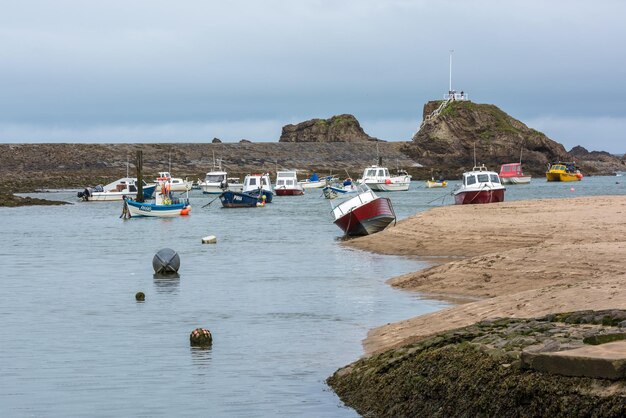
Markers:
(564, 166)
(286, 179)
(257, 181)
(215, 177)
(374, 172)
(511, 170)
(480, 176)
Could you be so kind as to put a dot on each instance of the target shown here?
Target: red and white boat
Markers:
(364, 214)
(512, 174)
(479, 186)
(287, 184)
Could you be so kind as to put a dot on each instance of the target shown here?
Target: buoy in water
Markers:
(387, 181)
(166, 261)
(210, 239)
(185, 211)
(571, 189)
(140, 296)
(200, 337)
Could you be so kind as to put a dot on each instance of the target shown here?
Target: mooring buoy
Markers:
(210, 239)
(166, 261)
(200, 337)
(140, 296)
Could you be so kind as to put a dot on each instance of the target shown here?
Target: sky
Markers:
(192, 70)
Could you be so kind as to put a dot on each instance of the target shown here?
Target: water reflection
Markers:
(201, 356)
(166, 283)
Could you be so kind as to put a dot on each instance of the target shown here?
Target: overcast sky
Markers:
(156, 70)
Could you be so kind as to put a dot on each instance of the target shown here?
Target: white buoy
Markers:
(211, 239)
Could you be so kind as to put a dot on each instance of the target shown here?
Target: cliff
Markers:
(447, 141)
(341, 128)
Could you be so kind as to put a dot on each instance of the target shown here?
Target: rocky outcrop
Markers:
(490, 369)
(341, 128)
(497, 137)
(600, 161)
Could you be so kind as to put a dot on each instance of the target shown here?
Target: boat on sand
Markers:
(479, 186)
(363, 214)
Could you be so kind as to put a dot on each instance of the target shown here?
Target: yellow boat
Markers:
(563, 172)
(432, 183)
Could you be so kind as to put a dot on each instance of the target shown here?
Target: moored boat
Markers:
(287, 184)
(116, 191)
(258, 185)
(512, 173)
(364, 214)
(336, 190)
(432, 183)
(164, 205)
(313, 182)
(563, 171)
(378, 178)
(479, 186)
(231, 199)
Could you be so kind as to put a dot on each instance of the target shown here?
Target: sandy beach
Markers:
(515, 259)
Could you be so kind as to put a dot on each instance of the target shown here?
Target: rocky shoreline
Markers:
(515, 261)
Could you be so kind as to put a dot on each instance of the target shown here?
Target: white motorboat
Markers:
(378, 178)
(176, 184)
(313, 182)
(287, 184)
(117, 190)
(479, 186)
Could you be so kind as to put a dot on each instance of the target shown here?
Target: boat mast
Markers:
(450, 85)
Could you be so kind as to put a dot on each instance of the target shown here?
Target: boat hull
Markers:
(312, 184)
(563, 177)
(118, 196)
(479, 196)
(367, 219)
(231, 199)
(433, 184)
(289, 192)
(257, 194)
(515, 180)
(389, 187)
(137, 209)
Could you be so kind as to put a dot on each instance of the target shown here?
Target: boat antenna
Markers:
(127, 165)
(169, 166)
(520, 154)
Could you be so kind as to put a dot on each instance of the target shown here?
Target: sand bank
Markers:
(522, 259)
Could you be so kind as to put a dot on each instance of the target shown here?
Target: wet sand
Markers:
(516, 259)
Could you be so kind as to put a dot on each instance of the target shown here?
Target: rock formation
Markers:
(341, 128)
(497, 137)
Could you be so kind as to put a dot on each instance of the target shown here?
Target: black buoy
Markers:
(166, 261)
(200, 337)
(140, 296)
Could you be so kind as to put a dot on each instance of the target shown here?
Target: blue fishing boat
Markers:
(232, 199)
(164, 205)
(258, 185)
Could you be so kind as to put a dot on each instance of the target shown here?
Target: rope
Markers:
(208, 204)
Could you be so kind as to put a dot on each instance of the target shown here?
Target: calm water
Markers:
(287, 306)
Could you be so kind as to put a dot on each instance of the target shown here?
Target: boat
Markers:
(234, 184)
(231, 199)
(217, 181)
(479, 186)
(563, 171)
(116, 191)
(432, 183)
(512, 173)
(378, 178)
(177, 184)
(363, 214)
(287, 184)
(313, 182)
(333, 191)
(164, 205)
(258, 185)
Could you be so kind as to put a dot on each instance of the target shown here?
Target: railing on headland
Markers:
(453, 95)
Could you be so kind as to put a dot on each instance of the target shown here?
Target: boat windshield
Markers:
(214, 178)
(264, 181)
(252, 181)
(495, 178)
(371, 173)
(483, 178)
(470, 180)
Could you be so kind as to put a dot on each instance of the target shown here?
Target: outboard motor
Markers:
(85, 194)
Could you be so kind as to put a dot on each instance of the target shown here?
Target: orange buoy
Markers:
(388, 181)
(185, 211)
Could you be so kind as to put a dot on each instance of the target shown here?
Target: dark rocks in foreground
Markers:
(478, 371)
(340, 128)
(11, 201)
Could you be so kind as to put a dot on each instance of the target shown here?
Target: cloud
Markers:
(593, 133)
